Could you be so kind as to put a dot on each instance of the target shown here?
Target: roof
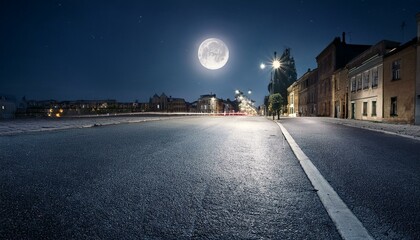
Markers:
(402, 47)
(380, 48)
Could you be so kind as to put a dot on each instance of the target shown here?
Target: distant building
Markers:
(163, 103)
(209, 103)
(230, 106)
(8, 106)
(308, 93)
(159, 103)
(192, 107)
(293, 99)
(177, 105)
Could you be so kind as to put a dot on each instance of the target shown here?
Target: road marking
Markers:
(347, 224)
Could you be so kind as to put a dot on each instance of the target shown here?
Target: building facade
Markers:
(308, 93)
(159, 103)
(335, 56)
(340, 93)
(399, 97)
(177, 105)
(293, 99)
(209, 103)
(365, 78)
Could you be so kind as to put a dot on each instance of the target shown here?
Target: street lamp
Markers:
(276, 64)
(212, 107)
(275, 67)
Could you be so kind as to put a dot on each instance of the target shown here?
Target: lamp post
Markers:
(275, 64)
(212, 105)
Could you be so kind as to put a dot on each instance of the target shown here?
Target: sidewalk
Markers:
(404, 130)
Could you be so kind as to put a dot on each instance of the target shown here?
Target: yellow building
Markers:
(365, 78)
(400, 83)
(293, 99)
(340, 93)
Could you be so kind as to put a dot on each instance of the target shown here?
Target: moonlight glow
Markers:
(213, 53)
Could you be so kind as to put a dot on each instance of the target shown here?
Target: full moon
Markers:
(213, 53)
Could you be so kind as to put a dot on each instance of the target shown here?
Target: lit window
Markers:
(2, 107)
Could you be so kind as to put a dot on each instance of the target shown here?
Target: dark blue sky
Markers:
(128, 50)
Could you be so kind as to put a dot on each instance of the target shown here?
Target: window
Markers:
(366, 80)
(375, 77)
(359, 82)
(396, 66)
(394, 106)
(353, 84)
(373, 108)
(365, 108)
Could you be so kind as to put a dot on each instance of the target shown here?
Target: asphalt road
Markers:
(198, 178)
(376, 174)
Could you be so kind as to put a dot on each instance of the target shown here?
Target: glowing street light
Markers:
(212, 105)
(276, 64)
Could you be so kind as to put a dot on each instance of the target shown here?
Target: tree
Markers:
(275, 103)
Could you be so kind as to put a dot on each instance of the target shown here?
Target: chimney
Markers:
(418, 26)
(344, 37)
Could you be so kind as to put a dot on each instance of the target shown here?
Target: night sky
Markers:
(130, 50)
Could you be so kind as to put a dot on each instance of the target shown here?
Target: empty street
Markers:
(204, 178)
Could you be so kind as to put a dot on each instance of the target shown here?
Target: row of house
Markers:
(376, 83)
(207, 103)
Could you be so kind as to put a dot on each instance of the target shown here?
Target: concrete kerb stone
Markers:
(402, 130)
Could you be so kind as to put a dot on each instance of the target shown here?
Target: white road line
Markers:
(345, 221)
